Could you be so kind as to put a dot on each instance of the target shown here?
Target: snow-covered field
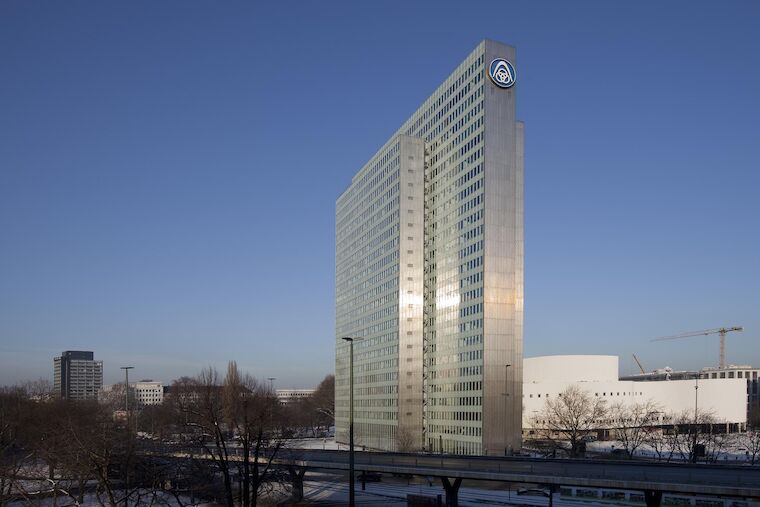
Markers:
(328, 444)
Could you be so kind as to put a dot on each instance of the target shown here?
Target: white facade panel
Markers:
(574, 368)
(548, 376)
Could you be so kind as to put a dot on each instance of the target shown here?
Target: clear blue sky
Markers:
(168, 173)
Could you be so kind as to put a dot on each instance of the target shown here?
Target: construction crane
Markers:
(638, 363)
(720, 331)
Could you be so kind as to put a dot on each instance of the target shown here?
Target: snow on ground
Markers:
(143, 499)
(734, 453)
(328, 444)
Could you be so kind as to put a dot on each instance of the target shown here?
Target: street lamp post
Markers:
(350, 421)
(271, 407)
(506, 399)
(126, 409)
(126, 389)
(696, 419)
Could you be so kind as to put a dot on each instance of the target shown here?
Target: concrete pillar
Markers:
(552, 490)
(452, 491)
(296, 474)
(653, 498)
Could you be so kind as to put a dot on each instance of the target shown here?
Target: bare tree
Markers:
(12, 454)
(663, 439)
(65, 448)
(570, 417)
(655, 439)
(750, 440)
(405, 440)
(235, 424)
(199, 402)
(114, 397)
(97, 446)
(250, 408)
(324, 402)
(38, 390)
(692, 436)
(632, 422)
(314, 414)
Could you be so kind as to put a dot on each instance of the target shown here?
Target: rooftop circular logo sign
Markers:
(502, 73)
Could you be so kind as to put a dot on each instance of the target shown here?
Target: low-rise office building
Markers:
(147, 392)
(288, 396)
(141, 394)
(746, 373)
(548, 376)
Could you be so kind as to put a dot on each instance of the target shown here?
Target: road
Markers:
(727, 480)
(330, 490)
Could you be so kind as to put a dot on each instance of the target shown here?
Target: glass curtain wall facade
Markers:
(429, 275)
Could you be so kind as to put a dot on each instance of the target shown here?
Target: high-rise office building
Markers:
(429, 273)
(77, 376)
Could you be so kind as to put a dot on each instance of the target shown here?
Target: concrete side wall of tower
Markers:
(409, 435)
(503, 276)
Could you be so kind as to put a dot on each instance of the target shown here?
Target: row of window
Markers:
(454, 415)
(380, 169)
(461, 401)
(455, 446)
(358, 232)
(632, 393)
(463, 371)
(446, 146)
(455, 387)
(421, 122)
(730, 374)
(475, 309)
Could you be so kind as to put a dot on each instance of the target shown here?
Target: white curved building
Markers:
(546, 377)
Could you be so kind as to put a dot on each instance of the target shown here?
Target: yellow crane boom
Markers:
(638, 363)
(722, 331)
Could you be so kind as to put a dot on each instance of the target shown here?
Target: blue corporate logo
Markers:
(502, 73)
